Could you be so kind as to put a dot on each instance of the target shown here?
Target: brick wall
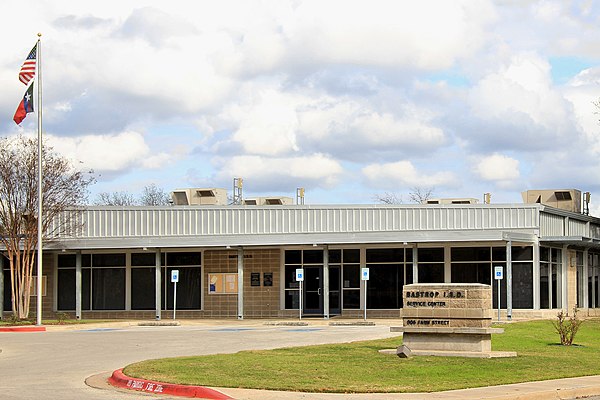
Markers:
(219, 305)
(261, 301)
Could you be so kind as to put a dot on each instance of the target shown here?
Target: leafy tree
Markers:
(62, 187)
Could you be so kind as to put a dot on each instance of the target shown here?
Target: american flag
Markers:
(28, 68)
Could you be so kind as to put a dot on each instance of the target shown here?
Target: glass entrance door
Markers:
(313, 290)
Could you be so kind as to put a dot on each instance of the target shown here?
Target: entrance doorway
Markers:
(313, 290)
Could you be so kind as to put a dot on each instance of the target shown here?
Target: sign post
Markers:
(498, 276)
(174, 279)
(364, 275)
(300, 279)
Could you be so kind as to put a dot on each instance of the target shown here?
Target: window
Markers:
(580, 282)
(7, 283)
(102, 281)
(550, 277)
(593, 274)
(143, 281)
(522, 276)
(475, 264)
(66, 282)
(389, 271)
(431, 265)
(107, 281)
(189, 291)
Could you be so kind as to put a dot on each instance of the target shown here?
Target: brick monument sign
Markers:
(448, 320)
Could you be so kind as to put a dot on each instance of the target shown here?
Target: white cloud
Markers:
(262, 173)
(523, 86)
(404, 173)
(267, 126)
(582, 92)
(498, 168)
(286, 92)
(108, 153)
(387, 33)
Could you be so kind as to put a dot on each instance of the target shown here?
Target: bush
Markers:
(567, 326)
(61, 317)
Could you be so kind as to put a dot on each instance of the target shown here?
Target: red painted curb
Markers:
(119, 379)
(26, 328)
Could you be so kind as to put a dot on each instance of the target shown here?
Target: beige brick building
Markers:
(241, 261)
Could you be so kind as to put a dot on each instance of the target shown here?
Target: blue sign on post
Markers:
(498, 276)
(498, 273)
(365, 274)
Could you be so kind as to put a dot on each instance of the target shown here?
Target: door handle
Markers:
(319, 291)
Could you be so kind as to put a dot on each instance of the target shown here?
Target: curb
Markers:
(119, 379)
(26, 328)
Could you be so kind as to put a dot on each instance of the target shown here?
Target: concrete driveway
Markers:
(55, 364)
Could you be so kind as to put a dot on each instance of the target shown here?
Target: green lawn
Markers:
(358, 367)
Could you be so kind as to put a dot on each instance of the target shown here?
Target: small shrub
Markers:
(61, 317)
(567, 326)
(13, 319)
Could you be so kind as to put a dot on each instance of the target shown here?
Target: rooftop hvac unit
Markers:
(452, 201)
(268, 201)
(565, 199)
(197, 197)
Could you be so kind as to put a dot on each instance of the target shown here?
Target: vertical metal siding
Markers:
(198, 221)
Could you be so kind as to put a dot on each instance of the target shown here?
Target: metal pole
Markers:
(509, 280)
(240, 271)
(300, 305)
(39, 228)
(326, 282)
(174, 299)
(365, 300)
(78, 285)
(157, 285)
(498, 299)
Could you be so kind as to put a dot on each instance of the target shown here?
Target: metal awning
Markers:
(580, 241)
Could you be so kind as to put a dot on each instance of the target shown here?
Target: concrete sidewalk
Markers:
(563, 389)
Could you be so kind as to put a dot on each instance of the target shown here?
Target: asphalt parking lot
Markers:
(55, 364)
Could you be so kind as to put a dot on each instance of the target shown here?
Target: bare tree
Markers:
(388, 198)
(420, 195)
(153, 195)
(115, 199)
(62, 188)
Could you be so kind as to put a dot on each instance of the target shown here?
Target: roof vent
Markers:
(565, 199)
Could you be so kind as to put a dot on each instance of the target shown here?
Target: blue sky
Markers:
(348, 99)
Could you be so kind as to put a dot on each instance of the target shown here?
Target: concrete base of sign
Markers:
(449, 342)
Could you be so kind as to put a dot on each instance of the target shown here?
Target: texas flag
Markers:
(26, 105)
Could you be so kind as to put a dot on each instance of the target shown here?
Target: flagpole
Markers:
(39, 216)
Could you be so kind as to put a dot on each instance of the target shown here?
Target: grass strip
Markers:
(358, 367)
